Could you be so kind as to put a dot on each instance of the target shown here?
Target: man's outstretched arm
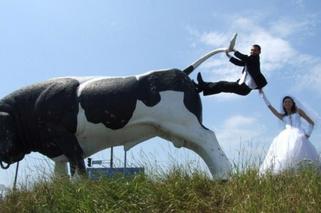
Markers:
(241, 56)
(234, 60)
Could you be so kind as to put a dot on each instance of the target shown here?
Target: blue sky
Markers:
(45, 39)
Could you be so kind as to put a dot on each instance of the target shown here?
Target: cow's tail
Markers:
(192, 67)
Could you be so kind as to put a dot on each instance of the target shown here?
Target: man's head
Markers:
(256, 49)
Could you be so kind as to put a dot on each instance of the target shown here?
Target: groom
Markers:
(251, 78)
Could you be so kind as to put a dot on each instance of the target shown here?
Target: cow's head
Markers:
(10, 151)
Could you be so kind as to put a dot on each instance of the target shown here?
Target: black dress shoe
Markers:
(197, 87)
(200, 81)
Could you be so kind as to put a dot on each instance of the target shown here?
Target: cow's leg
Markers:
(175, 122)
(68, 144)
(60, 169)
(202, 141)
(74, 153)
(72, 169)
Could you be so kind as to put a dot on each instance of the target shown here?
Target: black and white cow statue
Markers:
(70, 118)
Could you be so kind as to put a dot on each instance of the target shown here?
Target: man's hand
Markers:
(232, 44)
(230, 50)
(227, 53)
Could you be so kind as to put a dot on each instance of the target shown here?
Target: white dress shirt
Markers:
(247, 79)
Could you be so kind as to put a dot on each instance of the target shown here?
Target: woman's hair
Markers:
(294, 107)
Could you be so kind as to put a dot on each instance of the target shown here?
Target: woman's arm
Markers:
(272, 109)
(309, 120)
(305, 116)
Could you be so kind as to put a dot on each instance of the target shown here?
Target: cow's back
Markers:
(112, 101)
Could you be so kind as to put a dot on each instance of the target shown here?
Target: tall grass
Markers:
(177, 190)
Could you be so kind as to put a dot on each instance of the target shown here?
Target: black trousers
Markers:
(225, 86)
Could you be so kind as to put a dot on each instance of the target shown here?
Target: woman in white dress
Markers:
(291, 147)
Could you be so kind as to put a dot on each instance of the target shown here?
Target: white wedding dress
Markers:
(290, 149)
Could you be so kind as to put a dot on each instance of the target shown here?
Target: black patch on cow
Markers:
(39, 109)
(113, 101)
(110, 101)
(152, 84)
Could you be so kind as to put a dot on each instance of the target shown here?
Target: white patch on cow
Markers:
(168, 119)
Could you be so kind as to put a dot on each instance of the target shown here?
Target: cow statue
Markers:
(71, 118)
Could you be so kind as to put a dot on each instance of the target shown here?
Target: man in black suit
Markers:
(251, 78)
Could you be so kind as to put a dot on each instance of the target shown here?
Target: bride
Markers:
(291, 147)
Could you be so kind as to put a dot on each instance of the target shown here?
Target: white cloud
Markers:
(238, 121)
(221, 69)
(304, 26)
(239, 125)
(214, 39)
(243, 138)
(313, 80)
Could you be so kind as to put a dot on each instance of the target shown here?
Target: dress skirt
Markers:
(289, 149)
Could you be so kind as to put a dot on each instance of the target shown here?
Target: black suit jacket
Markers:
(252, 63)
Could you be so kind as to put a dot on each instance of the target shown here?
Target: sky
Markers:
(41, 39)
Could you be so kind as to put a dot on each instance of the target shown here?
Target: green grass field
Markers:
(173, 191)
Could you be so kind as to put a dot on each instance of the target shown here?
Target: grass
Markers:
(177, 190)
